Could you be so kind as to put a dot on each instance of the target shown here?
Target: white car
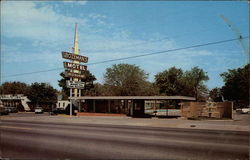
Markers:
(38, 110)
(245, 110)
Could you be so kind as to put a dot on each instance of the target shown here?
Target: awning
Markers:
(133, 98)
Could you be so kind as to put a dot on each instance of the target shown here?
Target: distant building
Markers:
(62, 104)
(19, 101)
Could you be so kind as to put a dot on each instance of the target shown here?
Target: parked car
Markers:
(243, 110)
(38, 110)
(11, 109)
(3, 111)
(74, 110)
(58, 111)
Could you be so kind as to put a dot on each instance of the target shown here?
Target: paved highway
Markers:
(88, 141)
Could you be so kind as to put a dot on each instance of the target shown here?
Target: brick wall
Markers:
(206, 110)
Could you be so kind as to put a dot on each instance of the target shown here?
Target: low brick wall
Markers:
(207, 110)
(192, 109)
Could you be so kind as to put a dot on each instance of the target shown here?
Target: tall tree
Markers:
(170, 81)
(195, 79)
(13, 88)
(62, 84)
(237, 85)
(126, 80)
(100, 90)
(42, 94)
(216, 94)
(176, 82)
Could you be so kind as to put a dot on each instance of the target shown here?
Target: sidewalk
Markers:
(100, 114)
(232, 125)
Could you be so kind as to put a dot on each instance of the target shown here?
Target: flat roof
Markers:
(135, 97)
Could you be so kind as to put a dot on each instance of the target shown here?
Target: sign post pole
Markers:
(79, 101)
(70, 107)
(75, 71)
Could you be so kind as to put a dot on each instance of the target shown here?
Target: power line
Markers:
(153, 41)
(141, 55)
(138, 44)
(150, 41)
(131, 45)
(171, 50)
(21, 74)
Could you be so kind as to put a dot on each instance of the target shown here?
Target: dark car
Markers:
(74, 109)
(58, 111)
(3, 111)
(12, 109)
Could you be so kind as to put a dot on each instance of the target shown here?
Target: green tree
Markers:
(237, 85)
(62, 84)
(42, 94)
(216, 94)
(170, 81)
(99, 90)
(176, 82)
(89, 80)
(150, 89)
(194, 80)
(126, 80)
(14, 88)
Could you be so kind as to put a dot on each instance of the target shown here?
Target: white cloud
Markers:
(53, 32)
(24, 19)
(81, 2)
(97, 16)
(44, 57)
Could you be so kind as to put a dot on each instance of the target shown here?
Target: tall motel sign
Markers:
(75, 70)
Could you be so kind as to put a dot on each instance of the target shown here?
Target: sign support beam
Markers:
(94, 106)
(109, 106)
(70, 107)
(75, 72)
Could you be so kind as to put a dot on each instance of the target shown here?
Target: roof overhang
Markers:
(133, 98)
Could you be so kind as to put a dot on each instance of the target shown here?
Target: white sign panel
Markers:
(75, 84)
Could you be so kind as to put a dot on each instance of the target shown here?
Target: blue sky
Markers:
(33, 34)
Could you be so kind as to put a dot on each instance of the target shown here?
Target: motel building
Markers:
(135, 106)
(148, 106)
